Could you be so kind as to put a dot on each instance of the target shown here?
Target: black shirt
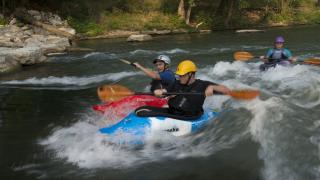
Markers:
(188, 105)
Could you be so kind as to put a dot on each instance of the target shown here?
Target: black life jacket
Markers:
(189, 104)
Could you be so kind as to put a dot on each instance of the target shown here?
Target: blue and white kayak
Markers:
(140, 126)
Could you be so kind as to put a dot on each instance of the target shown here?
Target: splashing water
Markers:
(283, 121)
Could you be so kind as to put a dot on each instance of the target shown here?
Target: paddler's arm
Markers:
(148, 72)
(288, 54)
(216, 89)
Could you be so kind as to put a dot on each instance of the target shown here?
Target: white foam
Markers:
(100, 55)
(71, 80)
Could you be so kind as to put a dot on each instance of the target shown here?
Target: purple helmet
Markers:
(279, 39)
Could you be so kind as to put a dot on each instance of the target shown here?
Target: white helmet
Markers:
(163, 58)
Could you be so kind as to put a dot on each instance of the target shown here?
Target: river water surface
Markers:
(49, 131)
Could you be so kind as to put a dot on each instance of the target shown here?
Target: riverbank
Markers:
(36, 34)
(30, 36)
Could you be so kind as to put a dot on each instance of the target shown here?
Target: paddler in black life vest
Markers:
(185, 107)
(163, 77)
(277, 55)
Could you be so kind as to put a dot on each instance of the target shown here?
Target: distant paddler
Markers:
(277, 55)
(163, 77)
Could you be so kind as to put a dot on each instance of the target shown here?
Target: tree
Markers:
(225, 10)
(283, 5)
(181, 10)
(191, 4)
(3, 6)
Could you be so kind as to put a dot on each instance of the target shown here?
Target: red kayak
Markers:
(119, 109)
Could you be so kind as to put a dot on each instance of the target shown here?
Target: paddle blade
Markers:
(242, 56)
(244, 94)
(313, 61)
(110, 93)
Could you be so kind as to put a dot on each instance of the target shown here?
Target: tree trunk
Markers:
(318, 2)
(188, 15)
(181, 10)
(229, 12)
(283, 5)
(220, 9)
(3, 6)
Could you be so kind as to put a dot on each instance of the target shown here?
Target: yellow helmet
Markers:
(185, 67)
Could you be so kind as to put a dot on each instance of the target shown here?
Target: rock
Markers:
(139, 37)
(8, 65)
(9, 42)
(13, 21)
(205, 31)
(12, 29)
(179, 31)
(156, 32)
(48, 44)
(38, 18)
(34, 13)
(68, 30)
(28, 32)
(25, 56)
(55, 20)
(249, 31)
(24, 28)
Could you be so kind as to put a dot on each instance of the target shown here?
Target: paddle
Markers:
(313, 61)
(127, 62)
(111, 93)
(245, 56)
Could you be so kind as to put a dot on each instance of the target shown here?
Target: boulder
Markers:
(68, 30)
(249, 31)
(8, 64)
(13, 21)
(139, 37)
(48, 44)
(25, 55)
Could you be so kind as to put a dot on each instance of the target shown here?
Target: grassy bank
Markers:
(127, 21)
(2, 21)
(160, 21)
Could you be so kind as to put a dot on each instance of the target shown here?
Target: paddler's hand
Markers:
(216, 88)
(159, 92)
(263, 58)
(293, 59)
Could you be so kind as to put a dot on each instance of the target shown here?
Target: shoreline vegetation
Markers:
(36, 28)
(107, 18)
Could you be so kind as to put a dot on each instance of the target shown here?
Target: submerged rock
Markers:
(139, 37)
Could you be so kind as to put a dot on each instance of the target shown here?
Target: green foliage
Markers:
(2, 21)
(316, 17)
(243, 4)
(206, 19)
(99, 16)
(140, 21)
(85, 26)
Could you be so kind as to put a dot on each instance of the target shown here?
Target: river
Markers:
(48, 129)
